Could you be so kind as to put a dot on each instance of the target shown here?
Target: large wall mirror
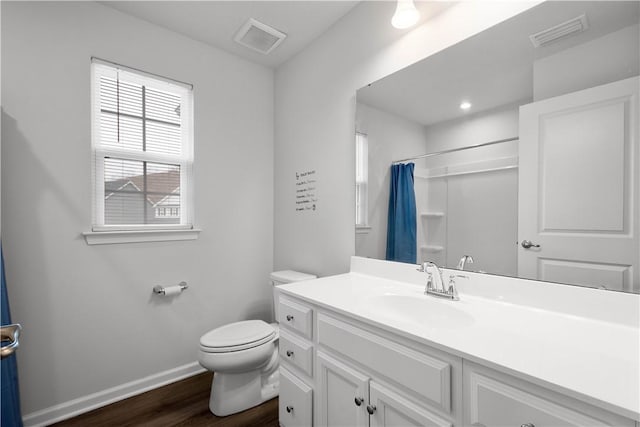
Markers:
(538, 175)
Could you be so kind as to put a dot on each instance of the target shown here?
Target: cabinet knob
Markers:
(371, 409)
(289, 409)
(358, 401)
(527, 425)
(289, 318)
(289, 353)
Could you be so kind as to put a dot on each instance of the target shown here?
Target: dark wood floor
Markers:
(185, 403)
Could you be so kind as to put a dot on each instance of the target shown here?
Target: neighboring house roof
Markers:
(161, 185)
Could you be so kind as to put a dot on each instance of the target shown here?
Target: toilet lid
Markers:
(237, 336)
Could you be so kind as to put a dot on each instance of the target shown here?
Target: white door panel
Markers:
(578, 188)
(344, 393)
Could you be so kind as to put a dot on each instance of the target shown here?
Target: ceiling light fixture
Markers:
(406, 14)
(465, 105)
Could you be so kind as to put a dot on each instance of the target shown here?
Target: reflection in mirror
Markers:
(536, 178)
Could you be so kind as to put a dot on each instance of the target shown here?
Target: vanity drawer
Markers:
(297, 352)
(496, 399)
(295, 316)
(428, 377)
(295, 401)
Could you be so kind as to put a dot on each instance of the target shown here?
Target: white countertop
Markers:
(591, 358)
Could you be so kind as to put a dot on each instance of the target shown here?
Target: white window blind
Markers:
(362, 179)
(142, 146)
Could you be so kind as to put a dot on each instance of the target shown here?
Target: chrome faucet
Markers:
(465, 259)
(435, 283)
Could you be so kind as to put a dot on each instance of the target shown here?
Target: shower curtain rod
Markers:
(455, 149)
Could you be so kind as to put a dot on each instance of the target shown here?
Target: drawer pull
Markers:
(358, 401)
(371, 409)
(527, 425)
(289, 409)
(289, 353)
(289, 318)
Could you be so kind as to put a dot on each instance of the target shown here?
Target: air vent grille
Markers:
(259, 37)
(560, 31)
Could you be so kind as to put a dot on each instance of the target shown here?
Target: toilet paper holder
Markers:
(161, 291)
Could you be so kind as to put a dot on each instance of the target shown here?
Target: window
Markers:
(142, 146)
(362, 178)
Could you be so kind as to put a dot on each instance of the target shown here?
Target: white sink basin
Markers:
(420, 309)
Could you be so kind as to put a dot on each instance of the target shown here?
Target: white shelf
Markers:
(432, 248)
(432, 214)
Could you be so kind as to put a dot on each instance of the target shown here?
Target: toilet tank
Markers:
(286, 276)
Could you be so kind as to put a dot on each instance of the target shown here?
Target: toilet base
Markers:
(236, 392)
(233, 393)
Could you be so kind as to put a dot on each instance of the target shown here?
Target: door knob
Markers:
(289, 353)
(289, 409)
(528, 244)
(371, 409)
(358, 401)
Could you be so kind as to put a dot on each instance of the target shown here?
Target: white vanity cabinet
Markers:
(348, 397)
(388, 377)
(296, 350)
(496, 399)
(358, 376)
(339, 370)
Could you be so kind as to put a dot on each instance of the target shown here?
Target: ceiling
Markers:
(216, 22)
(492, 69)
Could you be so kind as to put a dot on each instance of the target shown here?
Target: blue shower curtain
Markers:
(401, 227)
(10, 413)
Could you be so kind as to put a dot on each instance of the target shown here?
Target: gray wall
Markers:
(90, 319)
(481, 209)
(603, 60)
(390, 138)
(91, 322)
(315, 119)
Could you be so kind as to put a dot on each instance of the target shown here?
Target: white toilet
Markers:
(244, 358)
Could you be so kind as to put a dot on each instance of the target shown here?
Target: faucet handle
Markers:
(451, 290)
(424, 266)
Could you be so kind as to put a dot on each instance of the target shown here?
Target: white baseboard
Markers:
(102, 398)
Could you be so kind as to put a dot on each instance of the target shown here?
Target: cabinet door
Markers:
(495, 399)
(391, 409)
(343, 394)
(295, 402)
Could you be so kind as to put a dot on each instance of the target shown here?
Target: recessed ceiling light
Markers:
(465, 105)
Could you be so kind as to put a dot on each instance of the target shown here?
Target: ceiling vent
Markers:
(566, 29)
(259, 37)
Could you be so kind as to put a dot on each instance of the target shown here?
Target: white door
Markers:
(390, 409)
(343, 394)
(578, 188)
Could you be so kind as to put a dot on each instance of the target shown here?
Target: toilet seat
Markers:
(237, 336)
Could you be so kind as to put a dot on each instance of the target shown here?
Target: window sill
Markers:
(139, 236)
(362, 229)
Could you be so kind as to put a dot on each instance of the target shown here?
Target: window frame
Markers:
(362, 182)
(99, 152)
